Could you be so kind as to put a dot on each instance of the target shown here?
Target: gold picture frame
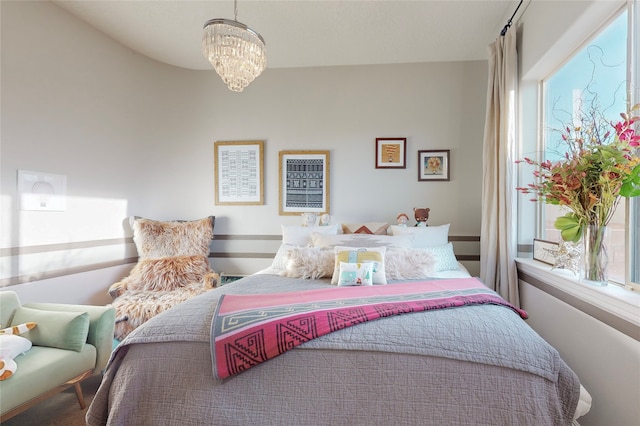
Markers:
(304, 182)
(239, 172)
(391, 153)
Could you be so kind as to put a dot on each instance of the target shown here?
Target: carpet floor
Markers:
(61, 409)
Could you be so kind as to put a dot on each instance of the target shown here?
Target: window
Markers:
(601, 69)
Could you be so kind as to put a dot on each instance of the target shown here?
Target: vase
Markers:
(595, 255)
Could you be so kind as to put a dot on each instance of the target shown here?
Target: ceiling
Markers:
(306, 33)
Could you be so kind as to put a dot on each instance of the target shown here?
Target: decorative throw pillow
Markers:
(374, 228)
(360, 240)
(424, 236)
(408, 264)
(301, 235)
(155, 239)
(309, 263)
(374, 255)
(279, 263)
(354, 274)
(56, 329)
(445, 259)
(281, 258)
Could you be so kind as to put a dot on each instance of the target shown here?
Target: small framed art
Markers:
(434, 165)
(42, 191)
(304, 182)
(545, 251)
(391, 153)
(239, 172)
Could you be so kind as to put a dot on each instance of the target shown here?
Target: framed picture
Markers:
(42, 191)
(391, 153)
(304, 182)
(239, 172)
(545, 251)
(433, 165)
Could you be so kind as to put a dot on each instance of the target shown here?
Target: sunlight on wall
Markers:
(89, 231)
(84, 219)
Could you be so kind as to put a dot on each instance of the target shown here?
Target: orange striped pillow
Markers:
(373, 228)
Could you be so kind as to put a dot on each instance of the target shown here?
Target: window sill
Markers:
(612, 304)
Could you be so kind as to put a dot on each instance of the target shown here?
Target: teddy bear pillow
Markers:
(12, 345)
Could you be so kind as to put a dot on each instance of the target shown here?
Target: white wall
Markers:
(135, 137)
(606, 360)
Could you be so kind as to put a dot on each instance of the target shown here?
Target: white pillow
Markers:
(408, 264)
(355, 274)
(360, 240)
(361, 255)
(399, 263)
(301, 235)
(309, 263)
(445, 259)
(279, 263)
(424, 236)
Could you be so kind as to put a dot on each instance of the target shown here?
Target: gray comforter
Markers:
(479, 365)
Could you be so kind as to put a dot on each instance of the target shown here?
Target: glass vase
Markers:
(595, 255)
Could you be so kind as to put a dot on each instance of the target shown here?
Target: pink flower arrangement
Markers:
(600, 166)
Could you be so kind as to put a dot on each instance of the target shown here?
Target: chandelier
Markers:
(237, 53)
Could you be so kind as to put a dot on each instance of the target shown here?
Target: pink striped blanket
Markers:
(250, 329)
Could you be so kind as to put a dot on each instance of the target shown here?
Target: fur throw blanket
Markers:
(173, 266)
(135, 307)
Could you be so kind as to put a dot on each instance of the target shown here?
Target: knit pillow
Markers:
(444, 258)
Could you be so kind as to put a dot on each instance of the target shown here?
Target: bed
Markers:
(478, 363)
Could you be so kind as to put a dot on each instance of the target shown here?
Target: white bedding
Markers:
(584, 403)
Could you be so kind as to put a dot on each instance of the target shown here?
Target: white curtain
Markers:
(498, 231)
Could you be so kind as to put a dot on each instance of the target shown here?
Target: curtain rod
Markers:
(506, 27)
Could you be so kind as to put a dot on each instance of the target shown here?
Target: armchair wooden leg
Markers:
(76, 384)
(80, 396)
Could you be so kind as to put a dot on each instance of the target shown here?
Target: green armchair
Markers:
(65, 350)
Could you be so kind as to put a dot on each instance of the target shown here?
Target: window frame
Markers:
(632, 205)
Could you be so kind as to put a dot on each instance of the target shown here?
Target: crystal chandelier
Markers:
(237, 53)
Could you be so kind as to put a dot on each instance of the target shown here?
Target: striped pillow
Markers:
(374, 228)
